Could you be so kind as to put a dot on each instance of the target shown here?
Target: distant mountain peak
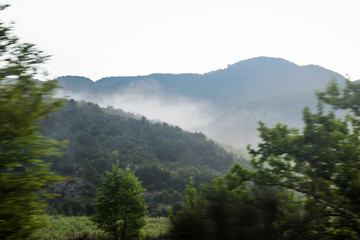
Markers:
(69, 78)
(263, 61)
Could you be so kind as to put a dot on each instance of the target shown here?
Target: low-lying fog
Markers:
(236, 127)
(148, 99)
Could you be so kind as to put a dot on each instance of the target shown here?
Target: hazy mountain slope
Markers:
(241, 82)
(225, 104)
(76, 84)
(262, 77)
(238, 127)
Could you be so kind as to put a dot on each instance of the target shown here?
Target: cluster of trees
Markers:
(96, 136)
(227, 210)
(305, 184)
(164, 157)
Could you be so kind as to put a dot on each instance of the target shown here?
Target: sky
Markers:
(104, 38)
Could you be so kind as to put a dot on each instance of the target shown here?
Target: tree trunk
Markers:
(115, 231)
(123, 233)
(116, 235)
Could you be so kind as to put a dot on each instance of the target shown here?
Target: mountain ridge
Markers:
(210, 95)
(249, 61)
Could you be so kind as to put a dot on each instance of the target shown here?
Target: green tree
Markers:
(227, 209)
(23, 175)
(190, 221)
(322, 162)
(120, 208)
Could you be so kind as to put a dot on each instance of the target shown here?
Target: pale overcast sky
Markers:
(136, 37)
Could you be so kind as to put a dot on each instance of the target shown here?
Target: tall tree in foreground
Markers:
(23, 175)
(322, 162)
(120, 208)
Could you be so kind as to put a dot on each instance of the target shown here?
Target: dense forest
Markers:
(164, 157)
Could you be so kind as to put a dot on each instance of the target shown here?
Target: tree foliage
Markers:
(322, 162)
(23, 175)
(120, 208)
(164, 157)
(319, 165)
(227, 209)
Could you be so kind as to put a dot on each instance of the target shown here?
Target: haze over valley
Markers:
(225, 104)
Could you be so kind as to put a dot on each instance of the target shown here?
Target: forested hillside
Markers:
(163, 157)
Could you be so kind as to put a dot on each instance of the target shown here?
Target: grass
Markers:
(156, 228)
(62, 227)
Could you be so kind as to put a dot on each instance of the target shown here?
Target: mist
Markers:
(237, 127)
(147, 98)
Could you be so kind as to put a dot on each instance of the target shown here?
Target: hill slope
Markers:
(162, 156)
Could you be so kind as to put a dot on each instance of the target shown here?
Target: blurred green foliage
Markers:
(23, 102)
(222, 211)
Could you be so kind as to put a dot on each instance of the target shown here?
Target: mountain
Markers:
(163, 157)
(241, 82)
(225, 104)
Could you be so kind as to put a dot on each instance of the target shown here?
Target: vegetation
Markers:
(156, 228)
(63, 227)
(319, 166)
(23, 175)
(226, 209)
(163, 157)
(120, 208)
(321, 162)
